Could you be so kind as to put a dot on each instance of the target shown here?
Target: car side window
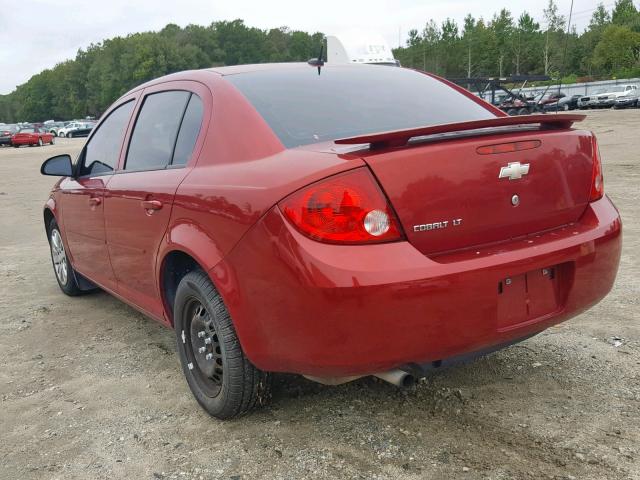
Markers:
(154, 135)
(101, 153)
(189, 130)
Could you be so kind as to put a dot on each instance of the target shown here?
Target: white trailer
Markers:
(359, 47)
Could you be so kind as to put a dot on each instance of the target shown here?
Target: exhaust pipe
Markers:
(397, 377)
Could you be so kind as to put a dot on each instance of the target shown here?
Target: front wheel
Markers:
(219, 375)
(64, 272)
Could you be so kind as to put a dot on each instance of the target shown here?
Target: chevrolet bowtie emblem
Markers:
(514, 170)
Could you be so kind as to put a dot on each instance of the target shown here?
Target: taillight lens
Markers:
(348, 208)
(597, 180)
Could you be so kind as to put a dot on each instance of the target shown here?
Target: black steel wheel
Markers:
(203, 349)
(221, 378)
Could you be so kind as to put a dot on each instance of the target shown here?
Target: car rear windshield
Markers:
(302, 107)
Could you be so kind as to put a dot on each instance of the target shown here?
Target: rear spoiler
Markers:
(398, 138)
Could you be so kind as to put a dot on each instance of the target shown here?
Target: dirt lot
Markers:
(91, 389)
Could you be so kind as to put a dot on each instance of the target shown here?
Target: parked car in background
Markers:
(55, 127)
(589, 101)
(628, 98)
(32, 136)
(326, 245)
(6, 132)
(550, 98)
(76, 129)
(610, 97)
(563, 104)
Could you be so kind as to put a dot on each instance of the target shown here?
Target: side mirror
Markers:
(58, 166)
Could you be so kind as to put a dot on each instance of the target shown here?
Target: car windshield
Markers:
(302, 107)
(27, 130)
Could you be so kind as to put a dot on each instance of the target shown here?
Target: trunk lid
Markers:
(448, 194)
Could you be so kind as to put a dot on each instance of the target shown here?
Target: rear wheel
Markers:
(65, 274)
(40, 142)
(53, 140)
(523, 111)
(69, 135)
(219, 375)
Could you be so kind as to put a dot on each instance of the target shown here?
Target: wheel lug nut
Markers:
(208, 356)
(202, 349)
(201, 334)
(207, 340)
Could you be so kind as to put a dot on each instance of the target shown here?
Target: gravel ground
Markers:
(91, 389)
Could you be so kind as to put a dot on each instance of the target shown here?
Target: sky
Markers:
(38, 34)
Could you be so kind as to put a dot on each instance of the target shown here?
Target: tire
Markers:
(523, 111)
(40, 142)
(65, 275)
(16, 146)
(220, 376)
(512, 112)
(53, 140)
(565, 107)
(69, 135)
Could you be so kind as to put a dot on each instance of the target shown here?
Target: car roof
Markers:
(256, 67)
(238, 69)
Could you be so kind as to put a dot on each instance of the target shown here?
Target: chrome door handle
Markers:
(151, 204)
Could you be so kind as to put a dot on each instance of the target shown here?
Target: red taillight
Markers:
(348, 208)
(597, 180)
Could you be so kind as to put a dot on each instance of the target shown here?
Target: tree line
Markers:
(87, 85)
(103, 72)
(502, 46)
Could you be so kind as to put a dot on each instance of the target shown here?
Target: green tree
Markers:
(502, 27)
(618, 49)
(625, 14)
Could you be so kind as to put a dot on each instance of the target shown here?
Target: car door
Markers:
(140, 195)
(82, 197)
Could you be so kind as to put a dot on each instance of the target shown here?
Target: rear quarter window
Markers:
(302, 107)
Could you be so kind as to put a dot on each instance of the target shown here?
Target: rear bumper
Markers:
(305, 307)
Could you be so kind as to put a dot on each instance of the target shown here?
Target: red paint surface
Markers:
(308, 307)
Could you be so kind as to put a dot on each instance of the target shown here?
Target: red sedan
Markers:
(335, 223)
(32, 136)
